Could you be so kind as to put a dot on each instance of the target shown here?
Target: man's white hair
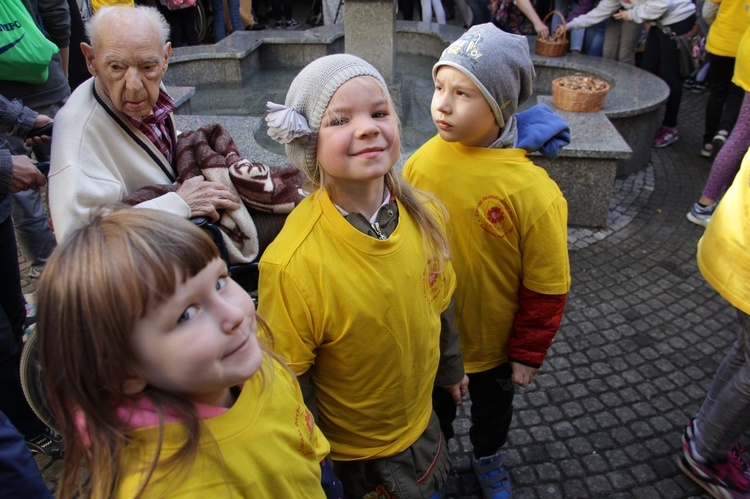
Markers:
(149, 15)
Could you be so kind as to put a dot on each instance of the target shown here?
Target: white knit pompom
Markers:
(285, 124)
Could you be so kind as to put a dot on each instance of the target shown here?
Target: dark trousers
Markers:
(491, 395)
(19, 473)
(661, 54)
(724, 97)
(12, 314)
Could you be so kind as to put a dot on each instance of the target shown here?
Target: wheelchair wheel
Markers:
(31, 382)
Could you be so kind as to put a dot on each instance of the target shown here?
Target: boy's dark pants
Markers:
(491, 395)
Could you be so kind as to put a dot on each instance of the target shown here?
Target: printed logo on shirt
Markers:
(431, 280)
(304, 422)
(493, 215)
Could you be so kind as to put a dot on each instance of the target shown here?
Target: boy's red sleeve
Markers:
(536, 322)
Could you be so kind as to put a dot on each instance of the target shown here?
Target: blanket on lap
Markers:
(210, 151)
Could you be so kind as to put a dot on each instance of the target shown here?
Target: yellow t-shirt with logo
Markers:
(269, 447)
(727, 29)
(508, 225)
(724, 249)
(364, 315)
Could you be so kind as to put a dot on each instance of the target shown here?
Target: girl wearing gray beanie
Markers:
(357, 287)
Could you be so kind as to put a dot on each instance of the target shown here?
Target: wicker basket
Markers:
(580, 99)
(552, 47)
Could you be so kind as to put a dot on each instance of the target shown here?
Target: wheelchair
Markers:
(246, 275)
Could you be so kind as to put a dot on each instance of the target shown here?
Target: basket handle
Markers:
(562, 18)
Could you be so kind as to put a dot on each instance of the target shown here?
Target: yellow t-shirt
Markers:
(741, 76)
(727, 29)
(724, 249)
(508, 225)
(98, 4)
(270, 447)
(364, 315)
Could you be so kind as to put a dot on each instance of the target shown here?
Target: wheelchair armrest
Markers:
(215, 233)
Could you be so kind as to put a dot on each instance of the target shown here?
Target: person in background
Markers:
(427, 8)
(727, 161)
(226, 10)
(17, 173)
(711, 451)
(33, 232)
(98, 4)
(728, 23)
(283, 14)
(674, 18)
(181, 22)
(19, 473)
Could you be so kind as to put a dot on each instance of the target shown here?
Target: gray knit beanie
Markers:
(296, 124)
(497, 62)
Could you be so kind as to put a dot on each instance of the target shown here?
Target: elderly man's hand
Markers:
(25, 174)
(206, 198)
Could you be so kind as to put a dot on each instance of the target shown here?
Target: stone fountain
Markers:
(230, 82)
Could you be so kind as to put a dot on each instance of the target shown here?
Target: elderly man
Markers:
(116, 134)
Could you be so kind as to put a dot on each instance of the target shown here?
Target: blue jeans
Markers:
(594, 40)
(576, 35)
(725, 413)
(220, 29)
(35, 237)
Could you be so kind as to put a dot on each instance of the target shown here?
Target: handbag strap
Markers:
(667, 31)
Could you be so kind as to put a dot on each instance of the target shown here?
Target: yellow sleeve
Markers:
(287, 312)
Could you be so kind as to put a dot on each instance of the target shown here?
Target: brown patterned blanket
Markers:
(210, 151)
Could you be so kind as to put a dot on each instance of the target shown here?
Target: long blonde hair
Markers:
(97, 284)
(416, 202)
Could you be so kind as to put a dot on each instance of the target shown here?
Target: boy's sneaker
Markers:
(707, 150)
(701, 215)
(666, 136)
(280, 25)
(291, 24)
(48, 442)
(493, 479)
(688, 83)
(722, 480)
(719, 140)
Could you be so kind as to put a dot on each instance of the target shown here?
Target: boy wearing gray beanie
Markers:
(508, 234)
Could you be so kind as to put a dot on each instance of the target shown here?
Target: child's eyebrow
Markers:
(344, 109)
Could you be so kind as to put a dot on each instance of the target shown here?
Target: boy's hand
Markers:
(522, 375)
(458, 390)
(560, 31)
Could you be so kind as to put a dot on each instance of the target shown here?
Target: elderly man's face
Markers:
(129, 66)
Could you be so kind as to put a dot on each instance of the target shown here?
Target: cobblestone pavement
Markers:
(640, 341)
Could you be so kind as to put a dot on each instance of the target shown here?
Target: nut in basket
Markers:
(579, 93)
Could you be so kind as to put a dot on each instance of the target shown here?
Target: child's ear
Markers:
(134, 384)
